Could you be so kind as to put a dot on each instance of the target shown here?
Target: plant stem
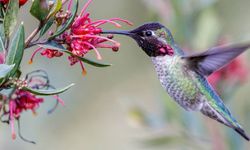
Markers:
(32, 35)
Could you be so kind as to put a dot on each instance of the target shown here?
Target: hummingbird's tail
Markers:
(225, 119)
(242, 133)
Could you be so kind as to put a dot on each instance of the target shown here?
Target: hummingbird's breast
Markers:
(180, 82)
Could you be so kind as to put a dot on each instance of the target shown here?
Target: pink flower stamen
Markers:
(59, 100)
(11, 109)
(114, 48)
(122, 20)
(100, 37)
(83, 68)
(33, 55)
(70, 4)
(101, 22)
(98, 55)
(85, 7)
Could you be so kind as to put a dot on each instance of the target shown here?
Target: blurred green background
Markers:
(124, 107)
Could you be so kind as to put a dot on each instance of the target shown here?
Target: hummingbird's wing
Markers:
(214, 59)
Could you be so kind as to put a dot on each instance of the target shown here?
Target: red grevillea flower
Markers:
(21, 101)
(83, 36)
(50, 53)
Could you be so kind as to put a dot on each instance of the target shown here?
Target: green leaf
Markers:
(5, 69)
(16, 49)
(54, 45)
(56, 7)
(2, 36)
(10, 18)
(1, 11)
(48, 92)
(40, 9)
(68, 23)
(2, 48)
(46, 27)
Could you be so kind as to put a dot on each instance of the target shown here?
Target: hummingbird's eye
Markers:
(148, 33)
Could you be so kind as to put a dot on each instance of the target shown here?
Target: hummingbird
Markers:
(184, 76)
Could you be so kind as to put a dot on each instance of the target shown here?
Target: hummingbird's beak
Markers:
(127, 33)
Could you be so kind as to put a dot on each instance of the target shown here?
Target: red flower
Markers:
(4, 1)
(22, 101)
(21, 2)
(84, 36)
(50, 53)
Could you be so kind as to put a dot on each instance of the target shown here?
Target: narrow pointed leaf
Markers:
(56, 46)
(5, 69)
(16, 49)
(52, 45)
(56, 7)
(48, 92)
(10, 18)
(2, 48)
(47, 26)
(2, 35)
(1, 11)
(40, 9)
(68, 23)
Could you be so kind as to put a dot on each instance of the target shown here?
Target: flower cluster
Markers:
(82, 36)
(74, 35)
(21, 100)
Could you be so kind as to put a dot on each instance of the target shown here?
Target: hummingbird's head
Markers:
(153, 38)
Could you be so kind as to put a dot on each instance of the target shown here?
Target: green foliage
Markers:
(47, 26)
(1, 11)
(15, 52)
(48, 92)
(5, 69)
(68, 23)
(2, 36)
(40, 9)
(10, 18)
(56, 7)
(2, 48)
(53, 45)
